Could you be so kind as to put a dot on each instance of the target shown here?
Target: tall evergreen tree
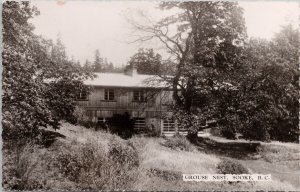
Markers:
(87, 65)
(98, 62)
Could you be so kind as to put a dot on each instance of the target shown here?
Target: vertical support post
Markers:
(176, 126)
(161, 126)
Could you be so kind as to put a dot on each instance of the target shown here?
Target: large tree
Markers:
(206, 39)
(146, 62)
(271, 88)
(265, 104)
(35, 70)
(66, 82)
(286, 46)
(22, 106)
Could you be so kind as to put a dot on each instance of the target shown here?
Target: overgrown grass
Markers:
(179, 142)
(280, 153)
(91, 167)
(281, 160)
(73, 164)
(89, 160)
(20, 165)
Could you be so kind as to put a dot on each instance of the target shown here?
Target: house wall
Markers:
(158, 100)
(153, 110)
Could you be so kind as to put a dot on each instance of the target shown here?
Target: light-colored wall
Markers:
(124, 100)
(154, 110)
(157, 102)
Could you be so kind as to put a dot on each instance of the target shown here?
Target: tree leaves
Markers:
(32, 68)
(146, 62)
(268, 95)
(262, 101)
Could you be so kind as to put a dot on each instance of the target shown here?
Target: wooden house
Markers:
(146, 98)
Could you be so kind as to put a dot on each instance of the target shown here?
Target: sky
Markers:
(85, 26)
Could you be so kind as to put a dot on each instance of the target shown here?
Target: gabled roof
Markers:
(128, 81)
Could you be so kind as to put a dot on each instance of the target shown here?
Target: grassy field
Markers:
(160, 167)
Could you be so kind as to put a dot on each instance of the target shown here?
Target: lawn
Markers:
(160, 165)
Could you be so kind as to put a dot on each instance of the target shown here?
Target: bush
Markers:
(257, 130)
(179, 142)
(80, 115)
(139, 142)
(228, 133)
(71, 166)
(83, 119)
(151, 131)
(123, 152)
(167, 175)
(228, 166)
(122, 125)
(88, 124)
(90, 166)
(20, 165)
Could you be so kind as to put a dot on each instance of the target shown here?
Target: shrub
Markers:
(167, 175)
(80, 115)
(83, 119)
(121, 125)
(123, 152)
(139, 142)
(228, 166)
(179, 142)
(257, 129)
(90, 166)
(20, 165)
(228, 133)
(151, 131)
(88, 124)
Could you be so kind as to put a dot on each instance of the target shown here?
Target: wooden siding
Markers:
(157, 100)
(153, 110)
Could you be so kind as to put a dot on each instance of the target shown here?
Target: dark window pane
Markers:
(142, 98)
(111, 94)
(111, 97)
(139, 96)
(106, 94)
(136, 95)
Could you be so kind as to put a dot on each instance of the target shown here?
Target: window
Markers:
(139, 96)
(139, 124)
(168, 125)
(109, 94)
(82, 95)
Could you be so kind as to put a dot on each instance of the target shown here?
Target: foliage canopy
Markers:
(40, 83)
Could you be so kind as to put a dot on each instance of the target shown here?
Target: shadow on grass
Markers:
(238, 150)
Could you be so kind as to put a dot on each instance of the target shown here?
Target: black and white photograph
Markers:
(150, 95)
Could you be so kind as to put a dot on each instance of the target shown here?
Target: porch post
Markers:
(176, 126)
